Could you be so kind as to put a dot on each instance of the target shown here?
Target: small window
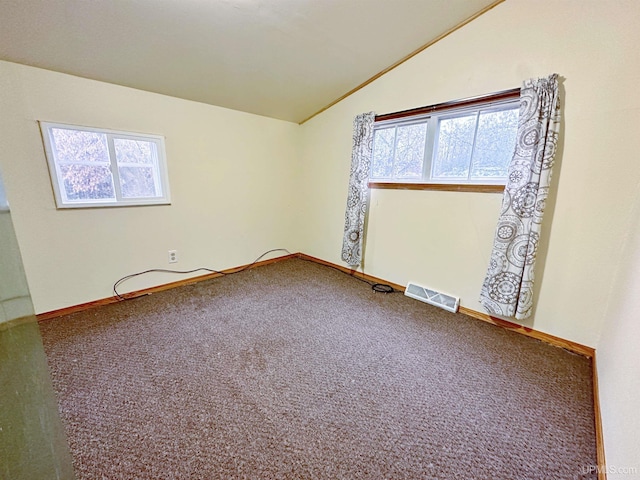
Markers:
(92, 167)
(465, 144)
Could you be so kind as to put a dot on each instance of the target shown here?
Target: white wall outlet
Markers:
(173, 256)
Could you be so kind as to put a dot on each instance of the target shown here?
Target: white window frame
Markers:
(431, 141)
(161, 177)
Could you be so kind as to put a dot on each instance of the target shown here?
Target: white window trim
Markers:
(161, 178)
(432, 119)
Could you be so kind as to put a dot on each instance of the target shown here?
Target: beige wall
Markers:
(443, 239)
(242, 184)
(230, 176)
(618, 361)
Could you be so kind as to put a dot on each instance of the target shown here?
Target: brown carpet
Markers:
(295, 370)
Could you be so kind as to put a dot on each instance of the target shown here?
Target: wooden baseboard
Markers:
(530, 332)
(602, 464)
(146, 291)
(349, 271)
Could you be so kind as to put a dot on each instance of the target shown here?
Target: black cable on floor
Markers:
(383, 288)
(201, 269)
(376, 287)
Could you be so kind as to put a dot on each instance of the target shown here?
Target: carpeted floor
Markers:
(294, 370)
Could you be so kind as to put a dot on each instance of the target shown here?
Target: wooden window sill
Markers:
(443, 187)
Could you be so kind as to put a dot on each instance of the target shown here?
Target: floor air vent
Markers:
(432, 297)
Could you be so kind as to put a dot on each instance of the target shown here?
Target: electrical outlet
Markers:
(173, 256)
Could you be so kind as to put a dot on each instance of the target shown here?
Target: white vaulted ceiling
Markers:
(284, 59)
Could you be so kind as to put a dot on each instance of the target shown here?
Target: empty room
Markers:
(320, 239)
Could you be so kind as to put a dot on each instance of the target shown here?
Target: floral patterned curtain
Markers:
(358, 196)
(508, 286)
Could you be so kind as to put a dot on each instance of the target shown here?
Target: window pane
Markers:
(79, 146)
(382, 161)
(455, 144)
(92, 167)
(409, 155)
(495, 143)
(87, 182)
(135, 151)
(137, 168)
(137, 182)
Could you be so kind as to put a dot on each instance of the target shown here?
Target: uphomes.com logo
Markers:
(609, 470)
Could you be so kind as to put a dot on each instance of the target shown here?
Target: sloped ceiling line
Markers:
(285, 59)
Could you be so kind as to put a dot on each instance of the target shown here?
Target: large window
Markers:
(92, 167)
(467, 142)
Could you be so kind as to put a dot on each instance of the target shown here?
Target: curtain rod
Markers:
(492, 97)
